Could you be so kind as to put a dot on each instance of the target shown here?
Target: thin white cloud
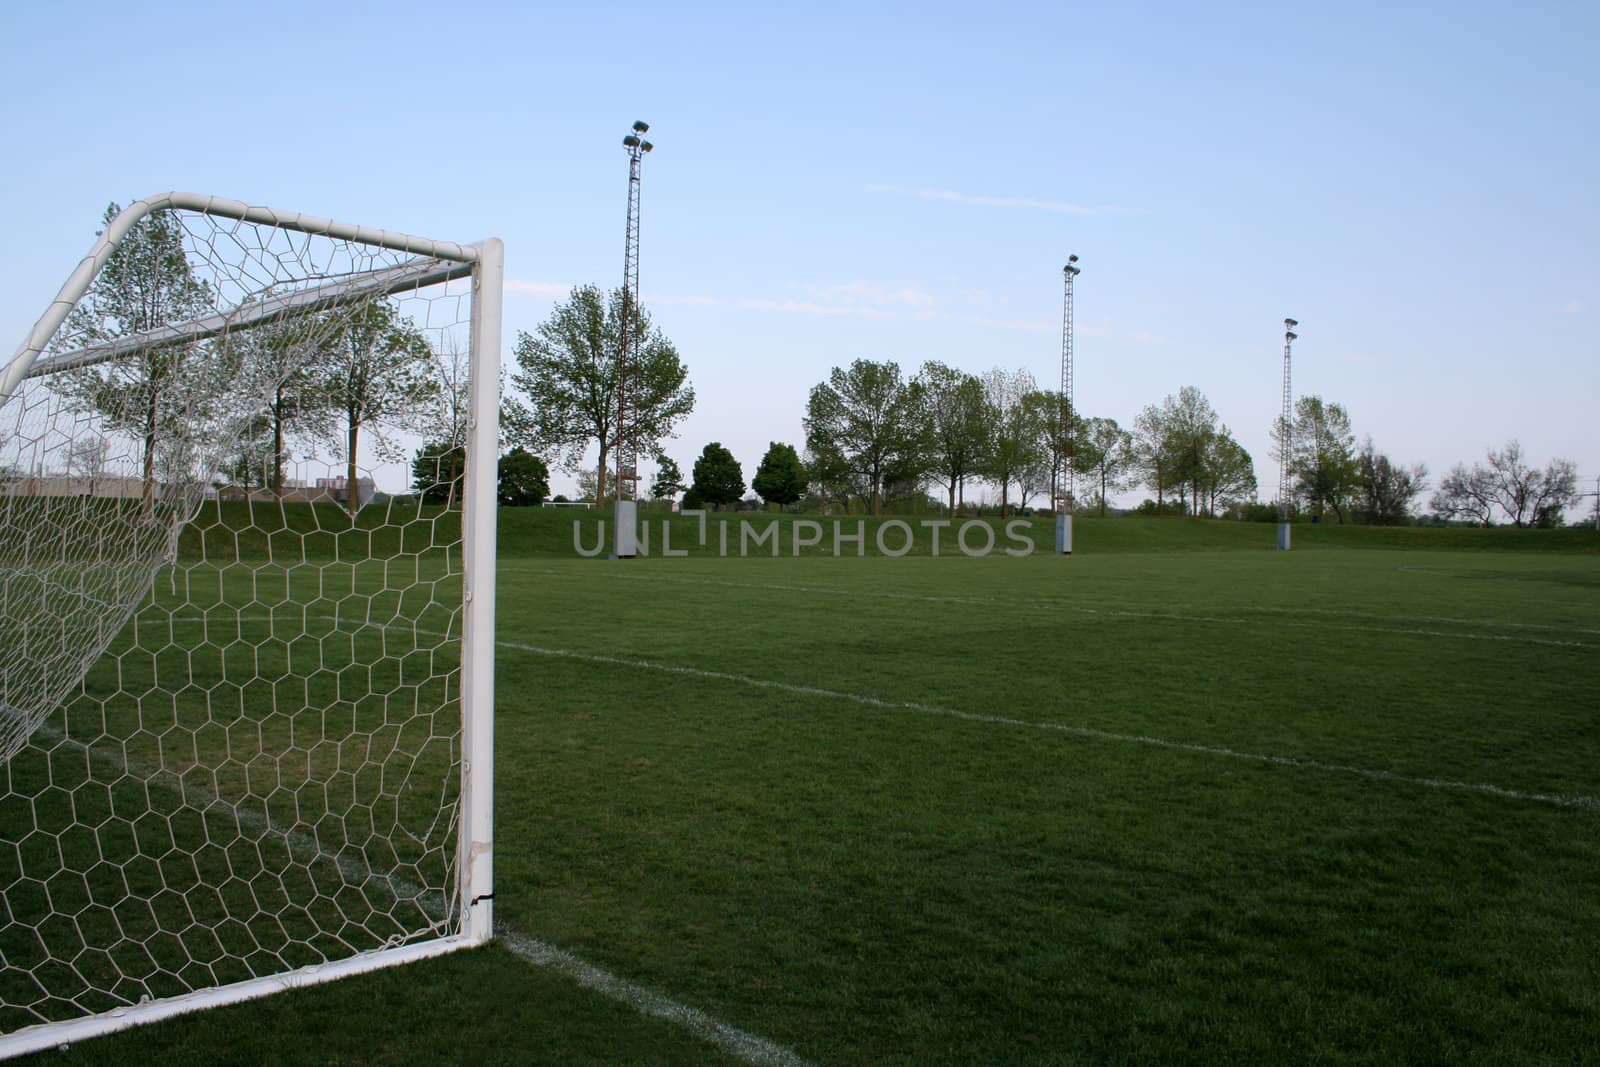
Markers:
(1572, 308)
(804, 307)
(1060, 207)
(545, 289)
(861, 294)
(663, 299)
(560, 290)
(1025, 325)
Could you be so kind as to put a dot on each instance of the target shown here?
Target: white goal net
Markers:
(247, 488)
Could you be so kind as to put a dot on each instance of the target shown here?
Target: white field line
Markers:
(738, 1043)
(1560, 800)
(1574, 801)
(746, 1046)
(1175, 616)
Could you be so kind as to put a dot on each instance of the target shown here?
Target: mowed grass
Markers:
(931, 810)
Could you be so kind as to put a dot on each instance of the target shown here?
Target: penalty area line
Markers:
(730, 1039)
(1575, 801)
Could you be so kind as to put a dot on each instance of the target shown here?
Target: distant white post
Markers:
(1287, 439)
(1066, 472)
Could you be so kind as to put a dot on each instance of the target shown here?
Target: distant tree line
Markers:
(876, 437)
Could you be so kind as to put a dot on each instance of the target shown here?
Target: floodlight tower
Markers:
(1287, 429)
(627, 479)
(1066, 439)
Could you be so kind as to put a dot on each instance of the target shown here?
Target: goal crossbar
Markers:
(412, 275)
(77, 284)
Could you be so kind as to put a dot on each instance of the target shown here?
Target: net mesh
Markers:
(230, 715)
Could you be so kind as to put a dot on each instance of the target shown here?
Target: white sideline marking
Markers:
(1575, 801)
(736, 1042)
(1175, 616)
(746, 1046)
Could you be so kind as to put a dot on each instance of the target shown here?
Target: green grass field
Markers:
(1178, 797)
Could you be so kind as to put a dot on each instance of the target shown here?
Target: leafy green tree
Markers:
(1191, 426)
(437, 471)
(568, 370)
(1227, 474)
(718, 481)
(957, 424)
(378, 376)
(153, 395)
(285, 362)
(524, 479)
(1155, 449)
(669, 479)
(781, 478)
(865, 421)
(1321, 454)
(1015, 441)
(249, 466)
(1105, 456)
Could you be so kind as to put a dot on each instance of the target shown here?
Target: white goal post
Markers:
(246, 691)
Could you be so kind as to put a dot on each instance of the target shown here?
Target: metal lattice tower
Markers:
(627, 480)
(1066, 438)
(1287, 423)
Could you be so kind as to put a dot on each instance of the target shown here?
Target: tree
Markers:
(1465, 494)
(588, 487)
(1320, 454)
(445, 418)
(1105, 455)
(781, 478)
(957, 424)
(1528, 496)
(285, 361)
(1192, 431)
(524, 479)
(1153, 452)
(718, 481)
(1385, 490)
(1228, 474)
(154, 394)
(437, 471)
(378, 376)
(669, 479)
(250, 464)
(568, 369)
(1046, 417)
(832, 478)
(865, 421)
(1013, 443)
(87, 458)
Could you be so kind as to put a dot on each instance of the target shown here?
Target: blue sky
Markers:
(1417, 185)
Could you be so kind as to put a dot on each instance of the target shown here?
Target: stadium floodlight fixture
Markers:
(646, 145)
(1291, 323)
(630, 141)
(1290, 335)
(641, 127)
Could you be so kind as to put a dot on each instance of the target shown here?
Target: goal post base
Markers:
(1283, 536)
(1063, 534)
(627, 534)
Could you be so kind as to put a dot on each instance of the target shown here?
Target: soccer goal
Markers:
(247, 545)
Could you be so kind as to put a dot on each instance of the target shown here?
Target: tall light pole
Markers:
(1066, 473)
(627, 479)
(1287, 430)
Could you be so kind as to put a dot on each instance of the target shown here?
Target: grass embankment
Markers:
(290, 533)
